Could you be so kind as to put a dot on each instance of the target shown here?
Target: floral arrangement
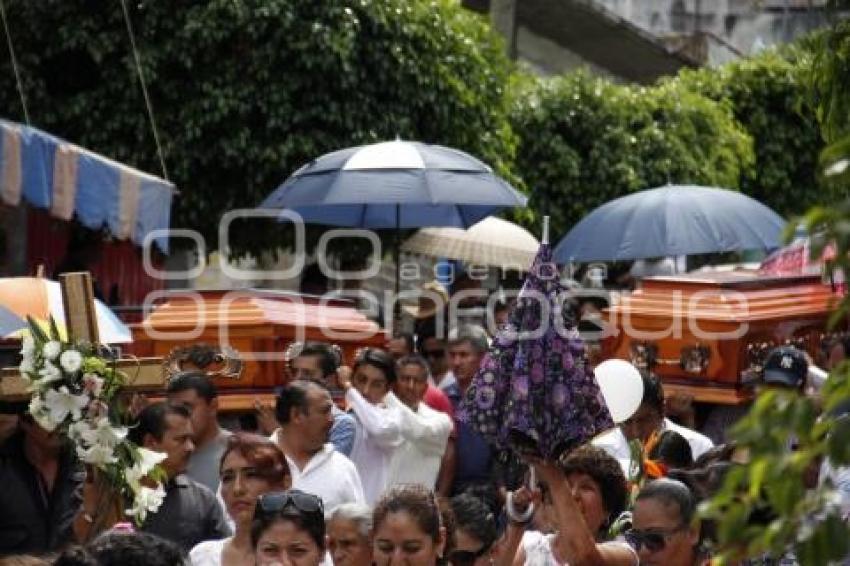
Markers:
(75, 392)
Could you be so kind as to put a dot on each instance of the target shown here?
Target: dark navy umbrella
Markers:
(397, 184)
(670, 221)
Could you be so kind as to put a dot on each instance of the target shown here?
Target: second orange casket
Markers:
(707, 334)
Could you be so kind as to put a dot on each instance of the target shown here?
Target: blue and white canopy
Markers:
(68, 180)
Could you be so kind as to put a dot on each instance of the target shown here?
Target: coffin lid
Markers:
(189, 309)
(729, 296)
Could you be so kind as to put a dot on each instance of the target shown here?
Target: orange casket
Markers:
(706, 334)
(259, 326)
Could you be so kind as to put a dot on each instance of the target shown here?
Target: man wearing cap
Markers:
(785, 367)
(430, 314)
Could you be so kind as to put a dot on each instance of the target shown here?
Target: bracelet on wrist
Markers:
(515, 516)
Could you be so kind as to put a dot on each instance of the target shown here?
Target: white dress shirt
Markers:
(377, 438)
(614, 443)
(328, 474)
(425, 433)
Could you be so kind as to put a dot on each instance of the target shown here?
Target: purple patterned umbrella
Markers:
(535, 391)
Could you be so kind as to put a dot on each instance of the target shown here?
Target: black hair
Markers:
(408, 340)
(474, 334)
(417, 501)
(605, 471)
(293, 395)
(673, 450)
(312, 523)
(653, 391)
(414, 360)
(196, 381)
(473, 516)
(328, 358)
(123, 549)
(671, 492)
(152, 420)
(378, 358)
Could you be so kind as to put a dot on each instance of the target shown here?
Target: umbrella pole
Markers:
(397, 258)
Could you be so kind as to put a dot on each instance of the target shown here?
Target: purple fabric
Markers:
(535, 392)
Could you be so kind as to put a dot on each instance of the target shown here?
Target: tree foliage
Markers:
(768, 97)
(584, 141)
(246, 91)
(767, 505)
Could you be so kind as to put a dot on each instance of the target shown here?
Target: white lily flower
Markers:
(149, 459)
(147, 500)
(71, 361)
(97, 455)
(51, 350)
(146, 462)
(79, 430)
(104, 434)
(26, 368)
(27, 347)
(49, 373)
(62, 403)
(41, 415)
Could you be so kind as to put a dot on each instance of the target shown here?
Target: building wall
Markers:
(744, 26)
(546, 57)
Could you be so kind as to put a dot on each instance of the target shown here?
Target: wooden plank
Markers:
(80, 311)
(708, 394)
(143, 374)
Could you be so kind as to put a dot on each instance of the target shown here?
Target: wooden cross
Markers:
(145, 374)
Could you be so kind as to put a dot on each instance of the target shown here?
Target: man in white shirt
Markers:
(424, 431)
(378, 433)
(304, 410)
(648, 418)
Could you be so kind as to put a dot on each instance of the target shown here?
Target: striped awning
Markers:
(70, 181)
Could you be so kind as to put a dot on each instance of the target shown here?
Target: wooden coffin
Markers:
(706, 334)
(254, 326)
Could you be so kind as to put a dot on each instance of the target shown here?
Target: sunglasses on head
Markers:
(466, 557)
(277, 502)
(654, 541)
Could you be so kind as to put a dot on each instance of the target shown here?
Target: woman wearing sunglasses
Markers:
(475, 532)
(289, 529)
(408, 528)
(582, 495)
(664, 532)
(250, 466)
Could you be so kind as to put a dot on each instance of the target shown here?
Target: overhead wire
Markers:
(14, 63)
(147, 98)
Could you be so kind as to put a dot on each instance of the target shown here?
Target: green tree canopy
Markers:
(584, 141)
(246, 91)
(768, 97)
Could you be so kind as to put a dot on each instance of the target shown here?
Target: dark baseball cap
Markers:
(785, 366)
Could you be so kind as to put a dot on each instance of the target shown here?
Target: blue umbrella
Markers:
(397, 184)
(10, 322)
(670, 221)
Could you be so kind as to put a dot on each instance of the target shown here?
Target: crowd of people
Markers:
(367, 464)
